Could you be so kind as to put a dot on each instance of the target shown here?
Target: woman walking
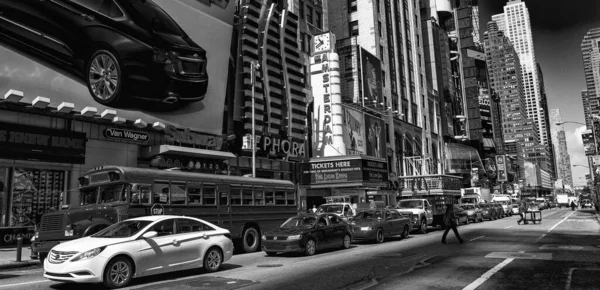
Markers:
(450, 221)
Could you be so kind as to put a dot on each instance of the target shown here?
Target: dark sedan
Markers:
(473, 212)
(488, 211)
(119, 47)
(308, 233)
(377, 224)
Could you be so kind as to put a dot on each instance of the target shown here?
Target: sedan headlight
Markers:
(365, 228)
(294, 237)
(89, 254)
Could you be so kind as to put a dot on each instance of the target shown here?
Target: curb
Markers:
(23, 264)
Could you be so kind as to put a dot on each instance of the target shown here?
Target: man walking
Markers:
(450, 222)
(522, 210)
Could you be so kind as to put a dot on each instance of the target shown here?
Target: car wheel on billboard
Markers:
(104, 77)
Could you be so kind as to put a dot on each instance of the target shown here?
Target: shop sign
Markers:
(355, 170)
(191, 164)
(126, 135)
(187, 137)
(276, 146)
(9, 236)
(36, 143)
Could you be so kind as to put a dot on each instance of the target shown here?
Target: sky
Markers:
(558, 29)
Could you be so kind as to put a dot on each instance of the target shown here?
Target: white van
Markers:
(505, 201)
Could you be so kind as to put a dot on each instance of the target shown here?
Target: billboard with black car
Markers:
(158, 60)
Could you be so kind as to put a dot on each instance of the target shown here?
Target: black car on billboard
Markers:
(119, 48)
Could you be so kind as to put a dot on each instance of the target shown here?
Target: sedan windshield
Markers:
(330, 209)
(369, 215)
(152, 16)
(124, 229)
(299, 222)
(410, 204)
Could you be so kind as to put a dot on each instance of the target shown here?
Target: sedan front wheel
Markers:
(346, 242)
(118, 273)
(104, 77)
(311, 247)
(379, 237)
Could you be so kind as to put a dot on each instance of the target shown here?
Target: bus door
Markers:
(224, 205)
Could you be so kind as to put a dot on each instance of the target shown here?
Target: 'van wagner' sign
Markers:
(35, 143)
(126, 135)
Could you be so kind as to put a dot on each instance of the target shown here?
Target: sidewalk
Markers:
(8, 258)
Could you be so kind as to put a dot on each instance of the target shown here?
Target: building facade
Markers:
(590, 52)
(559, 142)
(516, 25)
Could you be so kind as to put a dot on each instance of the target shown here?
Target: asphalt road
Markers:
(560, 253)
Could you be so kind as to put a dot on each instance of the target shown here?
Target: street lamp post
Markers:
(254, 66)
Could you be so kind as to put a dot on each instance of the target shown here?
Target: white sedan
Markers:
(140, 247)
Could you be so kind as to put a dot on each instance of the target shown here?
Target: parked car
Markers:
(308, 233)
(586, 204)
(118, 47)
(499, 210)
(140, 247)
(461, 215)
(488, 211)
(515, 209)
(420, 211)
(377, 224)
(473, 212)
(343, 210)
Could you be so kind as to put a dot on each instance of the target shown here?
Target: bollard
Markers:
(19, 248)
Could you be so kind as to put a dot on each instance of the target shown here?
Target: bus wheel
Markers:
(250, 240)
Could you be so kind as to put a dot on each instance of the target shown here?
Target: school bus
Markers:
(109, 194)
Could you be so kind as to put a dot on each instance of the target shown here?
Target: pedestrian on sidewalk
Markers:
(522, 210)
(450, 222)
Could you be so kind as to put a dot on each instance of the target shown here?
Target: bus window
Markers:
(223, 198)
(259, 196)
(161, 192)
(269, 197)
(140, 194)
(291, 198)
(280, 197)
(193, 194)
(178, 193)
(209, 194)
(89, 196)
(111, 193)
(236, 197)
(246, 196)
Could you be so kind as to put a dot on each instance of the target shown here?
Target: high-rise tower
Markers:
(516, 25)
(559, 142)
(590, 51)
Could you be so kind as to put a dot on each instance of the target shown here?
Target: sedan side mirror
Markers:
(149, 235)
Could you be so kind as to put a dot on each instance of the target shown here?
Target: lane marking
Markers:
(539, 239)
(487, 275)
(24, 283)
(477, 238)
(508, 227)
(560, 222)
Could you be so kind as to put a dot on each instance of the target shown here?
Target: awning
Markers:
(151, 151)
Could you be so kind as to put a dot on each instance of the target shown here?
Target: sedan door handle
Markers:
(88, 17)
(175, 241)
(205, 236)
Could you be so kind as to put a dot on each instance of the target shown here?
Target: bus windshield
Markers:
(102, 194)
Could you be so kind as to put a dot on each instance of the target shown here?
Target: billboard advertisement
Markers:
(588, 142)
(375, 129)
(157, 60)
(502, 168)
(354, 170)
(371, 77)
(354, 132)
(327, 123)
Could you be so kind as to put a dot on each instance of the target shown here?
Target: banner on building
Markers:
(588, 143)
(371, 79)
(328, 118)
(375, 130)
(354, 131)
(502, 168)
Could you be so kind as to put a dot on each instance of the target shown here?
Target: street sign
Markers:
(501, 165)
